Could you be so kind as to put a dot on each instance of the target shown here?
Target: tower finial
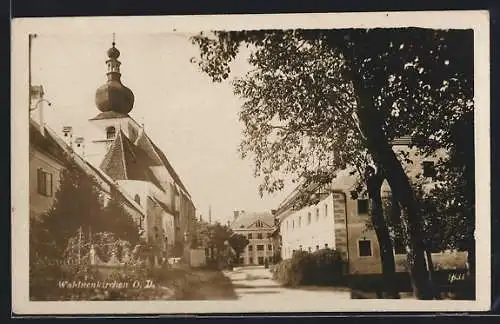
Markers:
(114, 42)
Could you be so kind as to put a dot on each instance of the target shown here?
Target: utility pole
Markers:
(30, 39)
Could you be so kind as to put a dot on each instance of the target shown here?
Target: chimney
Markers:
(80, 146)
(68, 135)
(236, 213)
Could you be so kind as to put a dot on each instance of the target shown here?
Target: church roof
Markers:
(125, 161)
(163, 205)
(247, 220)
(108, 115)
(169, 167)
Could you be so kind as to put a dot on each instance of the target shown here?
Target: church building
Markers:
(127, 155)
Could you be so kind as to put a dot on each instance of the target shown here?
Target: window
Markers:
(269, 247)
(250, 260)
(362, 206)
(250, 248)
(293, 223)
(428, 169)
(326, 210)
(259, 236)
(44, 183)
(365, 248)
(110, 132)
(300, 221)
(261, 260)
(286, 224)
(308, 218)
(269, 235)
(250, 236)
(260, 247)
(137, 199)
(317, 214)
(399, 246)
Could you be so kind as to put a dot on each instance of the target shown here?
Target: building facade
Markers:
(46, 163)
(124, 152)
(258, 229)
(124, 161)
(340, 222)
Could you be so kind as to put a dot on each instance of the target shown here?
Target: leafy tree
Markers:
(78, 203)
(238, 242)
(317, 101)
(116, 220)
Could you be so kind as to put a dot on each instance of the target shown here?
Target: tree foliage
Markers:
(78, 206)
(238, 242)
(78, 203)
(300, 106)
(317, 101)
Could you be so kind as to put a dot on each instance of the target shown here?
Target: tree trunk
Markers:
(371, 125)
(374, 184)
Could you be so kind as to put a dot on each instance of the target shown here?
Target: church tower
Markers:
(114, 101)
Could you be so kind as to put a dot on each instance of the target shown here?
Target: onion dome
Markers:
(113, 95)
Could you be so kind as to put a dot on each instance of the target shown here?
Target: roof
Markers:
(108, 115)
(87, 167)
(115, 186)
(163, 205)
(46, 144)
(248, 219)
(169, 167)
(126, 161)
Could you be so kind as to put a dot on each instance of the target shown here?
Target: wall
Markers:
(40, 203)
(297, 232)
(252, 257)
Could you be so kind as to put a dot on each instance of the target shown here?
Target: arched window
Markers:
(137, 199)
(110, 132)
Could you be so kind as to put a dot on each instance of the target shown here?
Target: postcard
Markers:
(268, 163)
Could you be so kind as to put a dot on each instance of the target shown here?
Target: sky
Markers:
(193, 120)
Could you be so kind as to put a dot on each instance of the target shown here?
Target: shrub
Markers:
(324, 267)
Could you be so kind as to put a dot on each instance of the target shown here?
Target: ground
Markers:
(252, 283)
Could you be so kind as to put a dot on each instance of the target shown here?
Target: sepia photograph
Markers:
(252, 163)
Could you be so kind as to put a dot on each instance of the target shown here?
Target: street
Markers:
(252, 283)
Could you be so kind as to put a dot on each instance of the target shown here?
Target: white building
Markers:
(257, 228)
(339, 222)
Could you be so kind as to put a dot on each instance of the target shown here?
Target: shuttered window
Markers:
(44, 183)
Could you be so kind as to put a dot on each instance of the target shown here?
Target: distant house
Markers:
(258, 229)
(338, 221)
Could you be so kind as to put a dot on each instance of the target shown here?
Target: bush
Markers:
(323, 267)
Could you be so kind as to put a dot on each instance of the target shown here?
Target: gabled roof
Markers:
(163, 205)
(145, 143)
(87, 167)
(125, 161)
(46, 144)
(169, 167)
(99, 173)
(247, 220)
